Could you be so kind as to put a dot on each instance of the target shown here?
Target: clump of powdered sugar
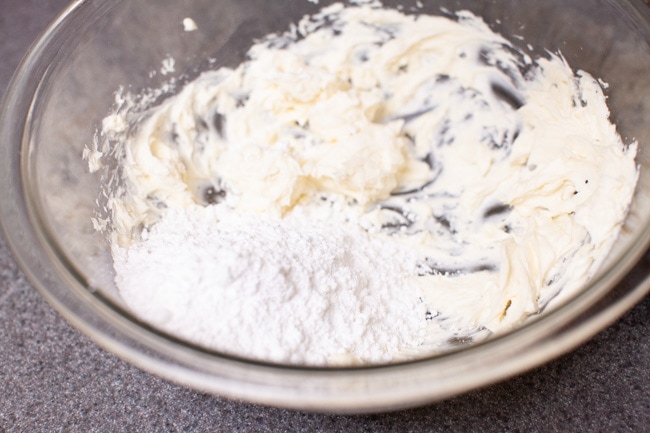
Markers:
(280, 290)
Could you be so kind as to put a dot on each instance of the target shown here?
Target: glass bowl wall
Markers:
(67, 84)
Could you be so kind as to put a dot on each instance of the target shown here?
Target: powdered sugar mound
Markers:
(279, 290)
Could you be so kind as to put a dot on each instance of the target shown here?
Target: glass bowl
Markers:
(66, 85)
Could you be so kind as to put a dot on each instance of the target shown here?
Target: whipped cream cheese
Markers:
(501, 172)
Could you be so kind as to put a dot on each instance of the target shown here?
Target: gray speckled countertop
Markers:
(52, 378)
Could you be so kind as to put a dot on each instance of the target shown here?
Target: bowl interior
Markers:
(123, 46)
(97, 49)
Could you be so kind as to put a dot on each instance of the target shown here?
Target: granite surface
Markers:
(53, 378)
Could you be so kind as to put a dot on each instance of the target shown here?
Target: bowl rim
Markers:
(616, 289)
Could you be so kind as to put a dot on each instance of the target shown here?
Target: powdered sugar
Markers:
(283, 290)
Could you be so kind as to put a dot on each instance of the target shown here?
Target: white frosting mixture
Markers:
(502, 175)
